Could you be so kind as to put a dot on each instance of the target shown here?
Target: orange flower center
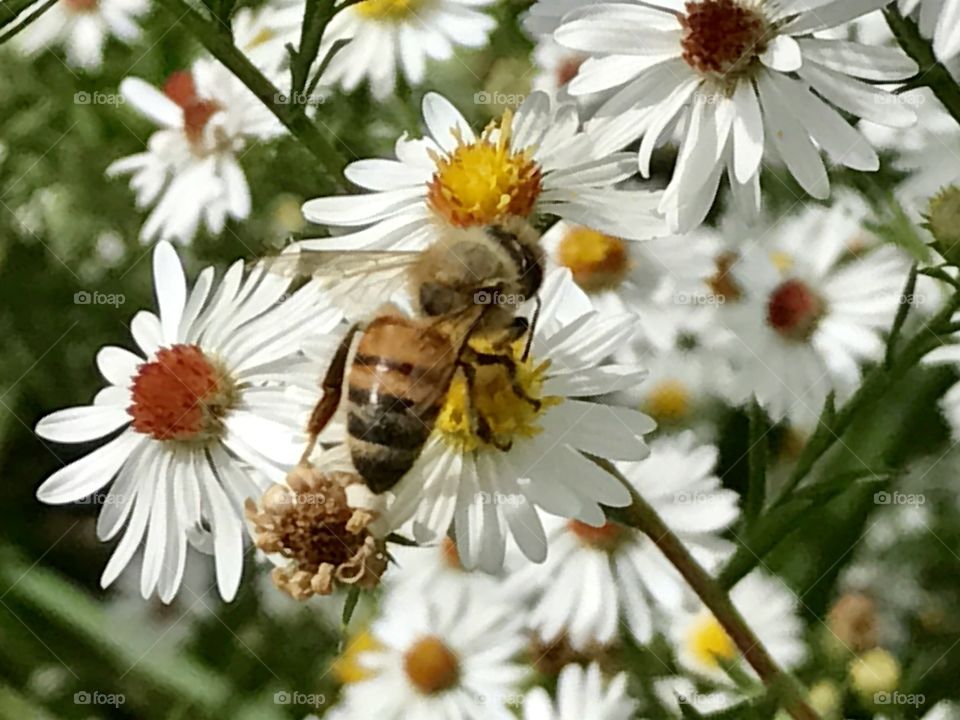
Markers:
(81, 6)
(180, 396)
(722, 38)
(606, 537)
(794, 310)
(431, 666)
(722, 284)
(451, 556)
(197, 112)
(485, 180)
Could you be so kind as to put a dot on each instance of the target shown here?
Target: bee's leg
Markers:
(531, 328)
(332, 387)
(482, 427)
(510, 365)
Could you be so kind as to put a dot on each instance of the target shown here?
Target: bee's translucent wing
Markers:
(339, 264)
(359, 281)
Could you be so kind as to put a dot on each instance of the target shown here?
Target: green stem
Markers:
(933, 74)
(757, 457)
(10, 10)
(316, 15)
(290, 114)
(643, 517)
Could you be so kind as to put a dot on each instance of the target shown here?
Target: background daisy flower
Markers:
(83, 28)
(203, 416)
(387, 36)
(190, 171)
(939, 20)
(770, 609)
(488, 492)
(532, 163)
(581, 693)
(440, 658)
(741, 77)
(597, 577)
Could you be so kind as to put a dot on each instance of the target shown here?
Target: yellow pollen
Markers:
(391, 10)
(431, 666)
(709, 643)
(483, 181)
(347, 668)
(597, 261)
(265, 35)
(508, 415)
(782, 261)
(668, 401)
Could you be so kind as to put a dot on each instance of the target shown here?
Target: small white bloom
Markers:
(806, 315)
(83, 27)
(190, 170)
(532, 163)
(489, 491)
(581, 694)
(440, 658)
(594, 578)
(386, 33)
(769, 608)
(205, 417)
(263, 33)
(740, 76)
(432, 569)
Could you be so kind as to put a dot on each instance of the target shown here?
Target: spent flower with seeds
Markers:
(198, 410)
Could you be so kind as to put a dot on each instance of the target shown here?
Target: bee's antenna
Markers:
(531, 328)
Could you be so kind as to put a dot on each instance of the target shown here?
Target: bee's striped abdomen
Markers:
(398, 381)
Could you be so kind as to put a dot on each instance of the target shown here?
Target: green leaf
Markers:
(350, 605)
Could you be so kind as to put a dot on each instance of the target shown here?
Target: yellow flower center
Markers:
(709, 643)
(497, 400)
(391, 10)
(431, 666)
(265, 35)
(668, 401)
(347, 668)
(782, 261)
(483, 181)
(597, 261)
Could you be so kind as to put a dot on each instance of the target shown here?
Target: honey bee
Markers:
(470, 281)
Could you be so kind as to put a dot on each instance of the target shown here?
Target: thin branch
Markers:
(642, 516)
(757, 461)
(27, 20)
(906, 300)
(932, 74)
(10, 10)
(290, 114)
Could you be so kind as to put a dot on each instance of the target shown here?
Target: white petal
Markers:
(118, 365)
(79, 424)
(747, 133)
(445, 122)
(151, 102)
(783, 54)
(90, 473)
(170, 284)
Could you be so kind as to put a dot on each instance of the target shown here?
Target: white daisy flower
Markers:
(619, 274)
(741, 77)
(769, 608)
(190, 169)
(675, 691)
(938, 20)
(806, 317)
(386, 33)
(440, 658)
(594, 578)
(204, 418)
(83, 28)
(489, 491)
(534, 162)
(581, 694)
(949, 354)
(263, 33)
(556, 67)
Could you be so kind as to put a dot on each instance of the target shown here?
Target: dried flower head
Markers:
(325, 541)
